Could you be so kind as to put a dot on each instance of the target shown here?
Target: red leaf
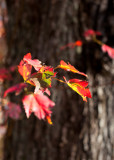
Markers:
(108, 49)
(25, 67)
(69, 67)
(3, 70)
(25, 70)
(17, 88)
(35, 63)
(91, 32)
(13, 111)
(4, 74)
(27, 56)
(79, 87)
(13, 68)
(39, 104)
(80, 82)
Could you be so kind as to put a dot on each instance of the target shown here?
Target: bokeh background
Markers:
(80, 131)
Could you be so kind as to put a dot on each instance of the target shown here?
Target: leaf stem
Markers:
(56, 67)
(59, 80)
(97, 41)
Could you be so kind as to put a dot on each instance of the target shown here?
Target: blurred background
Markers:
(80, 131)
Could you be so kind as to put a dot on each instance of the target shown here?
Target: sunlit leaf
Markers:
(79, 86)
(69, 67)
(39, 104)
(25, 70)
(35, 63)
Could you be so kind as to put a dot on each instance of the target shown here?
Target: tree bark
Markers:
(80, 131)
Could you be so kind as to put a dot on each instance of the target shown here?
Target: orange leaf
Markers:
(24, 69)
(79, 87)
(48, 118)
(69, 67)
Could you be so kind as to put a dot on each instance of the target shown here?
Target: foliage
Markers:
(90, 35)
(40, 78)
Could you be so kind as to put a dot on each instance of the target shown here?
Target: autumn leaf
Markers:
(69, 67)
(5, 77)
(35, 63)
(4, 74)
(16, 88)
(91, 32)
(39, 104)
(44, 76)
(47, 76)
(3, 70)
(79, 86)
(109, 50)
(44, 80)
(24, 70)
(13, 68)
(39, 85)
(13, 111)
(25, 67)
(49, 71)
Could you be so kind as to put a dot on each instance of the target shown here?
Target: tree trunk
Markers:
(80, 131)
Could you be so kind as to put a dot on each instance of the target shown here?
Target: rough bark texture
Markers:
(81, 131)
